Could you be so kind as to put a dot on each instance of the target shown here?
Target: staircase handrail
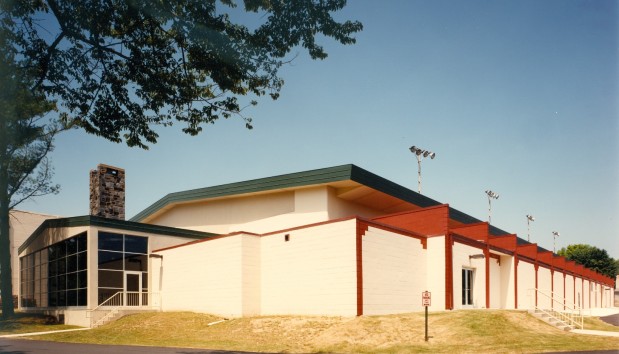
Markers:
(107, 302)
(573, 315)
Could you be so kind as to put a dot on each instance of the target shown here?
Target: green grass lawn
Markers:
(482, 331)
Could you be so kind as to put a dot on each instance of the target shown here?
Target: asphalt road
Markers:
(612, 319)
(24, 346)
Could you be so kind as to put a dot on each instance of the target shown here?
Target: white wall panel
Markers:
(314, 273)
(394, 273)
(558, 289)
(495, 284)
(526, 285)
(204, 277)
(435, 272)
(544, 285)
(569, 291)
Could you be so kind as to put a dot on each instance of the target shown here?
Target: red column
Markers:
(536, 286)
(516, 280)
(564, 294)
(487, 256)
(449, 276)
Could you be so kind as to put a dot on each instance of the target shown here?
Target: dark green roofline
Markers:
(299, 179)
(308, 178)
(89, 220)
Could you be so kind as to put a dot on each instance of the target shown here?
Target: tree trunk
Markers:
(6, 281)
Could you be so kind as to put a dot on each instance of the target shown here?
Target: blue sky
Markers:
(520, 97)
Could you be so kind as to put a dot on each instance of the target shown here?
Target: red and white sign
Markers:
(426, 298)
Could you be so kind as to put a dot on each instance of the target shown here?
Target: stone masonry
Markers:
(107, 192)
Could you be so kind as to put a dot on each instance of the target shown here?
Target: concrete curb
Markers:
(40, 333)
(595, 333)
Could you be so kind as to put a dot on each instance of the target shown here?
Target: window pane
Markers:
(71, 297)
(72, 263)
(82, 260)
(62, 282)
(110, 260)
(110, 241)
(82, 297)
(43, 300)
(62, 265)
(62, 299)
(54, 251)
(136, 244)
(61, 249)
(53, 284)
(136, 262)
(82, 279)
(53, 299)
(71, 245)
(44, 270)
(110, 279)
(82, 242)
(44, 257)
(44, 285)
(72, 281)
(145, 281)
(52, 270)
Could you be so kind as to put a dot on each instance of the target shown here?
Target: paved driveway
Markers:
(612, 319)
(24, 346)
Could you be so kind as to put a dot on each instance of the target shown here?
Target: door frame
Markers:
(125, 291)
(470, 281)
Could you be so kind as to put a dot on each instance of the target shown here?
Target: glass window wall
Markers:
(118, 254)
(56, 276)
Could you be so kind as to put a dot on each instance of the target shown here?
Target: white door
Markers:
(467, 287)
(133, 288)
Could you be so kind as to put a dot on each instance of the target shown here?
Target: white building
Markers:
(334, 241)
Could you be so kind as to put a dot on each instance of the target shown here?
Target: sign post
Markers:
(426, 300)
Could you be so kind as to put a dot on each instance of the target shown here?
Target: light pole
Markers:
(529, 219)
(491, 195)
(420, 154)
(555, 234)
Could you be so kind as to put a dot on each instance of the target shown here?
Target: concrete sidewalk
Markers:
(595, 333)
(40, 333)
(609, 312)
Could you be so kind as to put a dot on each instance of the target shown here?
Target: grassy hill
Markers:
(480, 331)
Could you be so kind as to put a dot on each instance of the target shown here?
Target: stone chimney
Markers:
(107, 192)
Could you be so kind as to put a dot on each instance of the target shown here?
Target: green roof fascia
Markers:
(90, 220)
(307, 178)
(298, 179)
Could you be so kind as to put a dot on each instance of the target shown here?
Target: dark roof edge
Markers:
(464, 218)
(316, 176)
(90, 220)
(386, 186)
(297, 179)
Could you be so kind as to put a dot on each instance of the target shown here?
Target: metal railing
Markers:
(123, 300)
(559, 308)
